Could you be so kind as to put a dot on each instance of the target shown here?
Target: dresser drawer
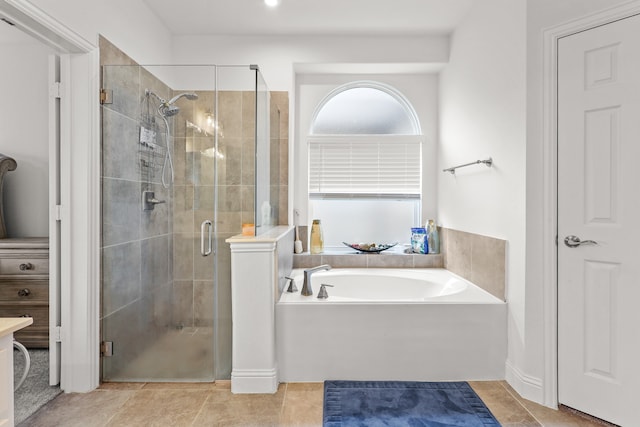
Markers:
(40, 314)
(35, 335)
(24, 266)
(24, 286)
(24, 291)
(33, 338)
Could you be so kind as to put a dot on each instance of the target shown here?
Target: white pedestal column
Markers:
(254, 291)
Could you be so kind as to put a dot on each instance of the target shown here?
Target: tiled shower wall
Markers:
(279, 127)
(152, 267)
(136, 245)
(194, 201)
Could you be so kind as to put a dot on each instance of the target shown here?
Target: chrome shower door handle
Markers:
(574, 241)
(206, 250)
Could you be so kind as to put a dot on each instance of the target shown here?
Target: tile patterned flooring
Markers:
(208, 404)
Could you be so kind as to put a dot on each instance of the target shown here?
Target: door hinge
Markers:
(106, 96)
(55, 90)
(57, 212)
(556, 240)
(106, 348)
(57, 334)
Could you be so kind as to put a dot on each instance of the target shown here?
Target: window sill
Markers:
(347, 258)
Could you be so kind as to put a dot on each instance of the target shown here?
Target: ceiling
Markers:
(310, 17)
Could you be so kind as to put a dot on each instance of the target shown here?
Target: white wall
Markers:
(541, 14)
(279, 56)
(482, 114)
(24, 125)
(129, 24)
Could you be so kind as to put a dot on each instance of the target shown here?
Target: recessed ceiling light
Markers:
(271, 3)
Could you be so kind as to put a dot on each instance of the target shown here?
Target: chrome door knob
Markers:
(574, 241)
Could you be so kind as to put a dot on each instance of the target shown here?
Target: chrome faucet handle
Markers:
(322, 293)
(292, 284)
(149, 200)
(306, 283)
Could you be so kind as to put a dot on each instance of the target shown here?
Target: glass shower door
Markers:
(159, 159)
(266, 209)
(178, 149)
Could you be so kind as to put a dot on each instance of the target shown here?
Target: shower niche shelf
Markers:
(150, 160)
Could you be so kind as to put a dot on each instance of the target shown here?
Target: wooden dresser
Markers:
(24, 286)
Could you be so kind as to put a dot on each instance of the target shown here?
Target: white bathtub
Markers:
(390, 324)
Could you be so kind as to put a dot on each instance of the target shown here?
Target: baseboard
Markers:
(527, 386)
(254, 381)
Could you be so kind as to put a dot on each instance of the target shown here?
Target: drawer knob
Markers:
(26, 315)
(26, 266)
(24, 292)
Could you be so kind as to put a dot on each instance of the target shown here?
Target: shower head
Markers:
(167, 108)
(189, 95)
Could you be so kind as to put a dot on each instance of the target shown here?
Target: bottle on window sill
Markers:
(317, 242)
(432, 237)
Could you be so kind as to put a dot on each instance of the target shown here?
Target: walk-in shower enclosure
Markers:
(179, 148)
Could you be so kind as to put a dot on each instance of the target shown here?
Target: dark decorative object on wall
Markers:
(6, 164)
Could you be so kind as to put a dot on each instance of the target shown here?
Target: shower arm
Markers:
(148, 93)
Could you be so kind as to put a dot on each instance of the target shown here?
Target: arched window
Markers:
(365, 156)
(365, 108)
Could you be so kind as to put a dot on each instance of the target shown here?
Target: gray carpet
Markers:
(35, 391)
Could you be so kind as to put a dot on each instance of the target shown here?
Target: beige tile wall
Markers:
(479, 259)
(307, 260)
(280, 154)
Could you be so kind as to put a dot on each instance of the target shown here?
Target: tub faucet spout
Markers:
(306, 284)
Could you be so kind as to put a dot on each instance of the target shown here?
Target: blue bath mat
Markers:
(403, 403)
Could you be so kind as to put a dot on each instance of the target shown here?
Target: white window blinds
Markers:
(365, 166)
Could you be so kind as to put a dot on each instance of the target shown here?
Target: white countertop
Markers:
(9, 325)
(272, 235)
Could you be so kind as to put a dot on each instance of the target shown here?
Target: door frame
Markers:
(79, 252)
(550, 182)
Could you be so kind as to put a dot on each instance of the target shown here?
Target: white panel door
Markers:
(599, 200)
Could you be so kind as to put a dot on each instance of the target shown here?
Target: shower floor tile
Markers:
(192, 362)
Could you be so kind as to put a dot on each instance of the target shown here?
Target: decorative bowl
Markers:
(369, 248)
